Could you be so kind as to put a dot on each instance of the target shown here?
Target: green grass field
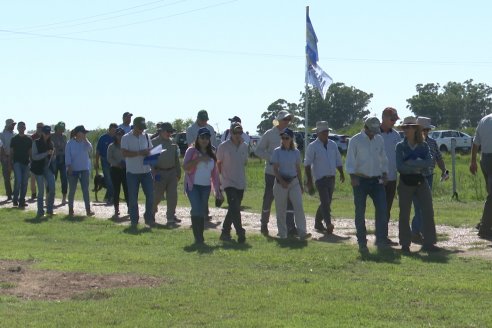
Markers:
(264, 283)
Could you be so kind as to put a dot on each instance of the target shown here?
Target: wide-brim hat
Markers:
(9, 122)
(409, 121)
(425, 123)
(282, 115)
(322, 126)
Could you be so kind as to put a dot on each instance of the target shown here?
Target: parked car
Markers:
(341, 140)
(443, 139)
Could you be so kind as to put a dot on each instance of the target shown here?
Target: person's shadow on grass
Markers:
(134, 230)
(200, 248)
(292, 243)
(37, 220)
(74, 218)
(332, 238)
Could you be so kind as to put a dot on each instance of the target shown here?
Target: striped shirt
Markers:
(436, 155)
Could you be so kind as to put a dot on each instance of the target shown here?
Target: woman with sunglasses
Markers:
(413, 159)
(286, 161)
(200, 165)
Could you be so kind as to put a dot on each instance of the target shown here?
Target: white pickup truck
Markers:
(443, 139)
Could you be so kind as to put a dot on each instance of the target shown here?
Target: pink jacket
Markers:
(191, 154)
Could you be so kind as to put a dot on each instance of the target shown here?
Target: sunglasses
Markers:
(285, 138)
(205, 137)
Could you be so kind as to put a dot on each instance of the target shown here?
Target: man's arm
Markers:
(473, 161)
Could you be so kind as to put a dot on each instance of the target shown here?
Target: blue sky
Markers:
(87, 62)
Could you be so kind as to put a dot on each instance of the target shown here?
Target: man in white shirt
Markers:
(201, 122)
(367, 165)
(483, 138)
(268, 142)
(135, 145)
(127, 119)
(322, 160)
(391, 139)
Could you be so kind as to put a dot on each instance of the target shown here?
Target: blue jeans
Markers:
(372, 188)
(49, 177)
(133, 181)
(417, 218)
(21, 174)
(73, 179)
(60, 167)
(106, 168)
(198, 197)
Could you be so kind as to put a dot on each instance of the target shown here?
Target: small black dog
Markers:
(99, 184)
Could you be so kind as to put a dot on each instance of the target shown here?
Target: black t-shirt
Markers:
(21, 146)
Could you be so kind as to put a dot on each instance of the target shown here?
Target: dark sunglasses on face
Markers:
(205, 137)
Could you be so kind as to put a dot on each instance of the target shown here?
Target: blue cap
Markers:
(46, 129)
(203, 131)
(288, 132)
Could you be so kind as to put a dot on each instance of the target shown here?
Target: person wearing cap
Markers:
(391, 138)
(483, 139)
(367, 165)
(232, 156)
(35, 136)
(264, 150)
(286, 162)
(20, 150)
(425, 124)
(43, 153)
(5, 138)
(135, 146)
(127, 119)
(227, 133)
(167, 172)
(102, 154)
(192, 134)
(322, 160)
(201, 175)
(413, 159)
(60, 141)
(201, 122)
(117, 170)
(78, 163)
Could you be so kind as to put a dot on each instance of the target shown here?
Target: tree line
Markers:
(454, 105)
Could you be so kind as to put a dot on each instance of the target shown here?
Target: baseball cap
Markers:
(391, 112)
(166, 126)
(46, 129)
(139, 122)
(9, 122)
(202, 115)
(373, 125)
(21, 124)
(125, 114)
(80, 128)
(235, 119)
(120, 132)
(203, 131)
(288, 132)
(60, 125)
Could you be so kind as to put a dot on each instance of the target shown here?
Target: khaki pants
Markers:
(166, 181)
(294, 194)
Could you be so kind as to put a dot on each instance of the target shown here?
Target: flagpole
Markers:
(306, 102)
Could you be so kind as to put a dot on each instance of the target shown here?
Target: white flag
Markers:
(319, 79)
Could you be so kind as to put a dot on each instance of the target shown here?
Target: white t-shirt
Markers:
(132, 142)
(203, 173)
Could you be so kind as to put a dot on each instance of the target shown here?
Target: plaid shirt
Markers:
(436, 155)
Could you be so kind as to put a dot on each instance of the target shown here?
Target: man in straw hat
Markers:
(268, 142)
(322, 160)
(425, 124)
(367, 165)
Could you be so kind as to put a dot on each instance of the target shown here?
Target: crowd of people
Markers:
(130, 158)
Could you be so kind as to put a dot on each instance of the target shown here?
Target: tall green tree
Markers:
(453, 100)
(428, 102)
(478, 102)
(272, 111)
(343, 105)
(181, 125)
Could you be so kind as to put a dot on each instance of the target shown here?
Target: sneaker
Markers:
(431, 249)
(363, 249)
(306, 236)
(405, 249)
(329, 228)
(225, 237)
(417, 238)
(174, 219)
(264, 229)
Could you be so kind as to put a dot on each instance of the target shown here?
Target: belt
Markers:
(167, 169)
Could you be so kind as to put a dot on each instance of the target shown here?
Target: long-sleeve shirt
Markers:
(413, 160)
(365, 156)
(391, 139)
(267, 144)
(77, 155)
